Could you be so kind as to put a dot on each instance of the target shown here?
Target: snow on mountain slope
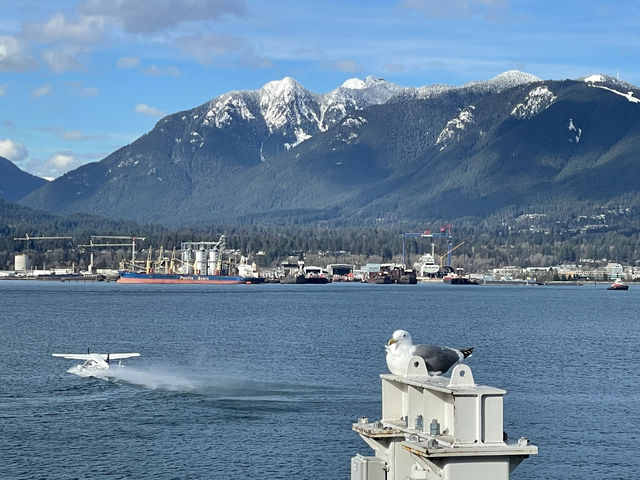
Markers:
(228, 106)
(536, 100)
(287, 103)
(355, 94)
(512, 78)
(629, 95)
(454, 127)
(295, 114)
(504, 81)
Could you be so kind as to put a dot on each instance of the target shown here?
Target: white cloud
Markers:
(13, 58)
(72, 135)
(207, 48)
(169, 70)
(346, 66)
(86, 29)
(14, 151)
(62, 161)
(41, 91)
(144, 109)
(64, 59)
(126, 63)
(3, 90)
(147, 16)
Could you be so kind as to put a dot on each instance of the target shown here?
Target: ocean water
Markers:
(264, 381)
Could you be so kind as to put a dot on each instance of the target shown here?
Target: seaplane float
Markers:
(95, 364)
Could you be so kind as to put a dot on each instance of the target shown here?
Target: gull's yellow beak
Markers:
(391, 341)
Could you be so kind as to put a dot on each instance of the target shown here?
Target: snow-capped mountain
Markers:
(371, 150)
(293, 114)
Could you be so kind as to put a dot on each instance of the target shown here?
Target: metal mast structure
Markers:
(445, 232)
(132, 244)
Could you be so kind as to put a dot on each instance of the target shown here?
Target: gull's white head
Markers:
(400, 339)
(398, 352)
(401, 336)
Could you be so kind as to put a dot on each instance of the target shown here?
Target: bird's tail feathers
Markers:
(466, 352)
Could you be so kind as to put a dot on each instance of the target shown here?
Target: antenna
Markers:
(618, 74)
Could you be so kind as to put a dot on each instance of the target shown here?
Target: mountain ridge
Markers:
(378, 152)
(15, 183)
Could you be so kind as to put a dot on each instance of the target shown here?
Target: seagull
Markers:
(439, 360)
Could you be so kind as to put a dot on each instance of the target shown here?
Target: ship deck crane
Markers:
(448, 254)
(445, 232)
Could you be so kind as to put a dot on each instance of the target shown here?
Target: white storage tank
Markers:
(22, 262)
(213, 262)
(187, 262)
(201, 262)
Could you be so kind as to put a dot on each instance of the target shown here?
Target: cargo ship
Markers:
(200, 263)
(168, 278)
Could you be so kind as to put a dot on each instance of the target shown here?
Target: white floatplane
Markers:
(95, 364)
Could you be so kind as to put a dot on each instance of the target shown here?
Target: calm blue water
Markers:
(264, 381)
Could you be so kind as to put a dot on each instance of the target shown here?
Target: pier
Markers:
(438, 428)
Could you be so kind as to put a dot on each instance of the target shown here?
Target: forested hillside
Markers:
(411, 156)
(527, 240)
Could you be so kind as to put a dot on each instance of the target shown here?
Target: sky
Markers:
(80, 79)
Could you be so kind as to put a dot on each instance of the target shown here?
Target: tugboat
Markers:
(459, 278)
(618, 285)
(305, 275)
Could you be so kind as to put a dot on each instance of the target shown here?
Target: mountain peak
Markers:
(512, 78)
(282, 87)
(595, 78)
(353, 84)
(602, 78)
(504, 81)
(369, 81)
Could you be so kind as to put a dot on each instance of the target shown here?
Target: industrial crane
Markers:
(28, 238)
(448, 254)
(133, 239)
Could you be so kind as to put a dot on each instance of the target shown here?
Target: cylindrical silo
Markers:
(22, 262)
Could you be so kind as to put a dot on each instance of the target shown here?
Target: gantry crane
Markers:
(132, 244)
(27, 238)
(445, 232)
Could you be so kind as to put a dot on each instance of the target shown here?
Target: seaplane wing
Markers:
(95, 356)
(95, 364)
(75, 356)
(119, 356)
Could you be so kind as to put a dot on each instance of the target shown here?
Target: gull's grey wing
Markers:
(438, 359)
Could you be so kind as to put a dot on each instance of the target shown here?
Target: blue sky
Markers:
(79, 79)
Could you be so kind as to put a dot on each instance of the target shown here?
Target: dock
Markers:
(438, 428)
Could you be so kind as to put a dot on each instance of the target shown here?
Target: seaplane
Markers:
(95, 364)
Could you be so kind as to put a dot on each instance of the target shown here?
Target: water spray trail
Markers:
(209, 384)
